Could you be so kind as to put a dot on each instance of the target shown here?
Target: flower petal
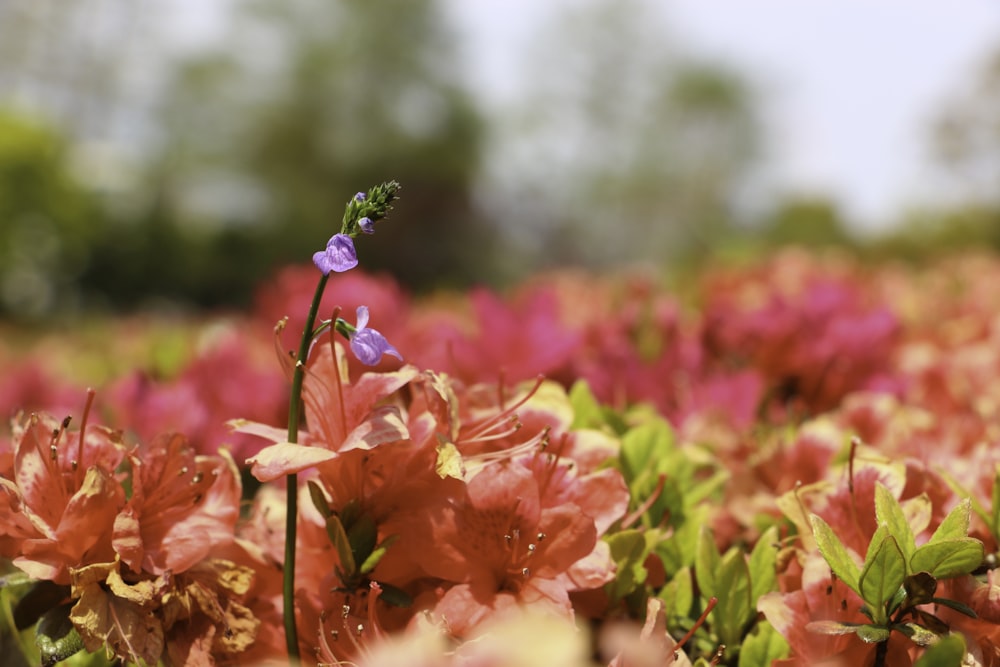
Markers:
(286, 458)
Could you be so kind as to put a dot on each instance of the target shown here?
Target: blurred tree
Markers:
(927, 234)
(965, 146)
(49, 220)
(965, 138)
(622, 149)
(302, 104)
(809, 221)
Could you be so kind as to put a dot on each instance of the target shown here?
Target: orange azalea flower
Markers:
(182, 507)
(340, 416)
(501, 548)
(59, 507)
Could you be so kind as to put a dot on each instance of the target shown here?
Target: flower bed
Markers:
(789, 462)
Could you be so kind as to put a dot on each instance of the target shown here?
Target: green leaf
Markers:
(763, 646)
(889, 512)
(628, 551)
(55, 635)
(873, 633)
(678, 595)
(362, 536)
(681, 548)
(949, 651)
(948, 558)
(376, 555)
(763, 563)
(587, 412)
(882, 574)
(706, 488)
(38, 599)
(735, 604)
(706, 563)
(395, 596)
(338, 537)
(319, 499)
(957, 606)
(643, 447)
(954, 526)
(835, 553)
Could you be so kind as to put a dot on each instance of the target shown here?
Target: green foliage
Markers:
(882, 573)
(629, 550)
(897, 576)
(49, 220)
(55, 635)
(833, 550)
(676, 479)
(949, 651)
(354, 536)
(763, 646)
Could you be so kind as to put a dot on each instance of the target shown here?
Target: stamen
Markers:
(492, 422)
(83, 424)
(476, 462)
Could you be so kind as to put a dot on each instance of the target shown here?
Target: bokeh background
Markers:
(168, 154)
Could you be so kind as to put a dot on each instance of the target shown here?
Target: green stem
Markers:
(292, 511)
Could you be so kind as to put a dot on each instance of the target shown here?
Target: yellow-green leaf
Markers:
(706, 564)
(762, 647)
(948, 558)
(888, 512)
(947, 652)
(956, 525)
(882, 574)
(835, 553)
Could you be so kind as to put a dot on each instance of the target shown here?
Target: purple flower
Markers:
(339, 255)
(367, 225)
(360, 197)
(369, 345)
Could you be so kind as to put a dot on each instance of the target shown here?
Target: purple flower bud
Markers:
(369, 345)
(339, 255)
(367, 225)
(360, 197)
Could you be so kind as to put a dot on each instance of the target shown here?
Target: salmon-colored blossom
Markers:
(58, 510)
(501, 548)
(182, 507)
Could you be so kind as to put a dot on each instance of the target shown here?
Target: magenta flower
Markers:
(339, 255)
(367, 344)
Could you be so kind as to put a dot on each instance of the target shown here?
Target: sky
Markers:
(849, 86)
